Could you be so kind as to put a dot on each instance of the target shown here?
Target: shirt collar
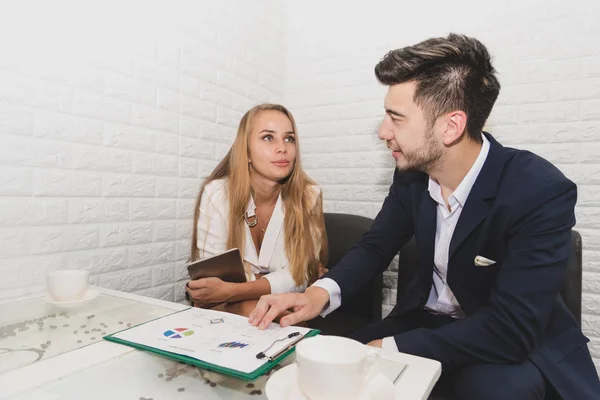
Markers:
(461, 193)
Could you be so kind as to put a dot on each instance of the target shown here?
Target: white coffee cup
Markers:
(67, 284)
(334, 367)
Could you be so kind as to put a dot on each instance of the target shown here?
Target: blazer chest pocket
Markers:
(485, 264)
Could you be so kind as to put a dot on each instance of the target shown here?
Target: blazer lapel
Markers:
(426, 234)
(272, 234)
(250, 251)
(485, 188)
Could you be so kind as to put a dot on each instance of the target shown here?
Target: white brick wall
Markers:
(106, 130)
(548, 58)
(110, 115)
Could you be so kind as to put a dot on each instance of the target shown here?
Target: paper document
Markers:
(214, 337)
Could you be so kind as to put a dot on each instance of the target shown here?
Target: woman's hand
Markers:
(208, 292)
(322, 270)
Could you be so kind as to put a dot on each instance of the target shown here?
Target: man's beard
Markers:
(423, 159)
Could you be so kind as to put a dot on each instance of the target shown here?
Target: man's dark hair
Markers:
(452, 73)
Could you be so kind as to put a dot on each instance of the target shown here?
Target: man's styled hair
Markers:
(452, 73)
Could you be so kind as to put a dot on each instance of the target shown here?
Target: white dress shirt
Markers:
(441, 299)
(272, 260)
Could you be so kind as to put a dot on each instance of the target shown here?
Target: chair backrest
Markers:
(343, 231)
(571, 290)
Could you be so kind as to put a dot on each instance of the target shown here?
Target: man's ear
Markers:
(456, 125)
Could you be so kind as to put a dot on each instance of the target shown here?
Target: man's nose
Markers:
(384, 132)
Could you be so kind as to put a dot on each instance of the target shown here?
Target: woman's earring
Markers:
(251, 221)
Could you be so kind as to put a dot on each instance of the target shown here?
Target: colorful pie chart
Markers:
(178, 333)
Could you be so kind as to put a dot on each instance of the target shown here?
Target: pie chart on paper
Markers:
(178, 333)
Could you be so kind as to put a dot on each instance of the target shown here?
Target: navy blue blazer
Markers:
(519, 213)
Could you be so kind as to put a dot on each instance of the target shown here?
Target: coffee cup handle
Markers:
(371, 364)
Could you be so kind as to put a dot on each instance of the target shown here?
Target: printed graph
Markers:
(178, 333)
(233, 345)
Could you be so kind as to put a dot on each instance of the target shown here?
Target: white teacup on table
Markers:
(67, 285)
(333, 367)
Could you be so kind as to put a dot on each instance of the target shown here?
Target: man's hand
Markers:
(208, 292)
(305, 306)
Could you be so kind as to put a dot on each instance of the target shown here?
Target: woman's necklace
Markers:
(264, 228)
(252, 221)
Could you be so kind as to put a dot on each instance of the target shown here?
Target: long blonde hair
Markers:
(304, 224)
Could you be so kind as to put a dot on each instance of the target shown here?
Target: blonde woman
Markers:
(259, 200)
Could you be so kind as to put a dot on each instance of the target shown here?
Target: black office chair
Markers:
(571, 290)
(343, 231)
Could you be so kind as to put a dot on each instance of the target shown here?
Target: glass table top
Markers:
(140, 375)
(33, 330)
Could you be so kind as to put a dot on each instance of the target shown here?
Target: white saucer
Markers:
(282, 385)
(89, 296)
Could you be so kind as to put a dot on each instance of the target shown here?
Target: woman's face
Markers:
(272, 145)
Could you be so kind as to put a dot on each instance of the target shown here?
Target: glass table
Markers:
(140, 375)
(58, 353)
(32, 330)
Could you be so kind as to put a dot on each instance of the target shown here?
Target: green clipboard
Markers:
(199, 363)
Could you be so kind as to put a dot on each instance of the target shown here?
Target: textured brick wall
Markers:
(548, 57)
(109, 117)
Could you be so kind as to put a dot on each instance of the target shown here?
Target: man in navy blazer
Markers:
(492, 225)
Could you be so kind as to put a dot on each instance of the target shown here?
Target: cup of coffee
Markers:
(67, 284)
(334, 368)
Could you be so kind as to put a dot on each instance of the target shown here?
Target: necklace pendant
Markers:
(251, 221)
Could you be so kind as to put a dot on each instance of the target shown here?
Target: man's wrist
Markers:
(319, 294)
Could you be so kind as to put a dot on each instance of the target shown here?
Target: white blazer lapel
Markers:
(272, 234)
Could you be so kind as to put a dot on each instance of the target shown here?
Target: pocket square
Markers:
(481, 261)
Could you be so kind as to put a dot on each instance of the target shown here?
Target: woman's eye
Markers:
(290, 139)
(267, 138)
